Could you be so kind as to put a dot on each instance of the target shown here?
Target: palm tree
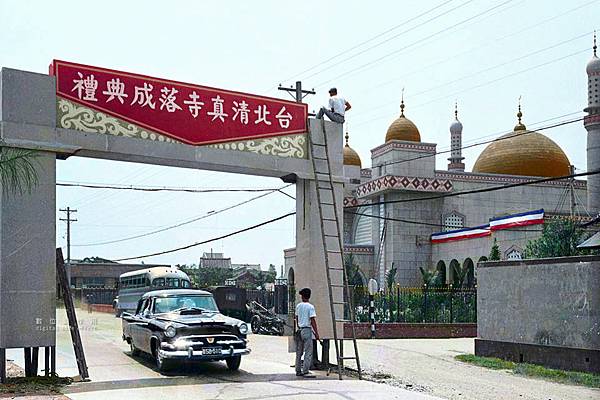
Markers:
(17, 170)
(459, 275)
(431, 277)
(390, 278)
(352, 271)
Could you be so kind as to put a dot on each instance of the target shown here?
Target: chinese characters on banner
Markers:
(190, 113)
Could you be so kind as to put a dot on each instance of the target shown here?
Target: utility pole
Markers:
(68, 220)
(572, 190)
(297, 92)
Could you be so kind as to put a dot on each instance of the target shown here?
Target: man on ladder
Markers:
(337, 107)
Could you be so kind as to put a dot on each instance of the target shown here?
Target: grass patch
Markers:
(534, 371)
(38, 385)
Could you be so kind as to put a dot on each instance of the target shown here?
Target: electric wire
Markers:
(481, 190)
(365, 66)
(403, 23)
(209, 240)
(209, 214)
(164, 188)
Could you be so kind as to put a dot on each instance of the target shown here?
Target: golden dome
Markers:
(351, 157)
(403, 129)
(523, 152)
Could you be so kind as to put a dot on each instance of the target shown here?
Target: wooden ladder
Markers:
(333, 246)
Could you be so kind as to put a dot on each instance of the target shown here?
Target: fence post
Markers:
(398, 302)
(451, 314)
(425, 302)
(373, 287)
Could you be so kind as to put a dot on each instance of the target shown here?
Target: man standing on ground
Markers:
(337, 107)
(307, 325)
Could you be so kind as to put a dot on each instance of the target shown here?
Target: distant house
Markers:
(215, 260)
(99, 273)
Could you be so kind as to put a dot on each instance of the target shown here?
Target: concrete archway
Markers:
(469, 280)
(441, 270)
(453, 264)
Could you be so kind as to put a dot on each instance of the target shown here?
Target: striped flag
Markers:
(522, 219)
(460, 234)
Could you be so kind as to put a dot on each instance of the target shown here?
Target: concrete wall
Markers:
(547, 303)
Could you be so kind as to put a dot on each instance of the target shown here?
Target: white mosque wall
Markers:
(385, 159)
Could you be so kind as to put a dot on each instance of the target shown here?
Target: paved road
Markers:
(264, 374)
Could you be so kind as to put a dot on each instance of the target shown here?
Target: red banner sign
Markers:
(190, 113)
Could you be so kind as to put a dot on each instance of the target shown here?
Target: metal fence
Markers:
(433, 305)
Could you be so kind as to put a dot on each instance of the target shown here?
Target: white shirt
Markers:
(305, 311)
(338, 105)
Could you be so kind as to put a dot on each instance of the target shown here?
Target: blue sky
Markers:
(482, 54)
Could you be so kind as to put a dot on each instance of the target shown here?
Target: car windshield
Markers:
(171, 303)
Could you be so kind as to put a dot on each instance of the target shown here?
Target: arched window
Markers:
(441, 270)
(514, 255)
(453, 265)
(453, 221)
(469, 271)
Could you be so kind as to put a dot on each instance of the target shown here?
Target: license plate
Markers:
(211, 351)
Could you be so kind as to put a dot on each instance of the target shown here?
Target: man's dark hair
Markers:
(333, 90)
(305, 293)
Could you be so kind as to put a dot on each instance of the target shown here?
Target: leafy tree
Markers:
(352, 270)
(431, 277)
(459, 274)
(495, 252)
(390, 278)
(17, 170)
(559, 239)
(273, 271)
(207, 276)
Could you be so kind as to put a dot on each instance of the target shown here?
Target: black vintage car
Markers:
(183, 324)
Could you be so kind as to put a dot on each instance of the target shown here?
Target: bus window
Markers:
(185, 284)
(158, 282)
(172, 282)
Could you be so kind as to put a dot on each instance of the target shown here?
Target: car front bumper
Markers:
(191, 354)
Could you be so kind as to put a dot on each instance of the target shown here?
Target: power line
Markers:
(364, 42)
(408, 221)
(164, 188)
(481, 190)
(479, 72)
(508, 133)
(392, 37)
(209, 240)
(454, 94)
(209, 214)
(445, 59)
(363, 66)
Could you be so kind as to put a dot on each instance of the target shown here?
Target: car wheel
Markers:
(280, 330)
(134, 350)
(233, 363)
(255, 324)
(162, 364)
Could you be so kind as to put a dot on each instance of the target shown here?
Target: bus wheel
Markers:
(255, 324)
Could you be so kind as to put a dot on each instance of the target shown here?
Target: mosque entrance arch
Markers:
(61, 116)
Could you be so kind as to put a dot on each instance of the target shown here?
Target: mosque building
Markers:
(403, 212)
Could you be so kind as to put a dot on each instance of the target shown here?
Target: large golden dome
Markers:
(351, 157)
(403, 129)
(523, 152)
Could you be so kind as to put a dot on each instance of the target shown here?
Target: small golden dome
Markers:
(403, 128)
(525, 153)
(351, 157)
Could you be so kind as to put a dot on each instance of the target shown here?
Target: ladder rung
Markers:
(339, 302)
(329, 219)
(319, 144)
(328, 235)
(334, 251)
(348, 358)
(336, 269)
(342, 320)
(321, 158)
(327, 204)
(334, 285)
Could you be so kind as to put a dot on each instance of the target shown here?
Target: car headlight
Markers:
(243, 329)
(170, 331)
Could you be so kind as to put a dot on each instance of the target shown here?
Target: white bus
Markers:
(132, 285)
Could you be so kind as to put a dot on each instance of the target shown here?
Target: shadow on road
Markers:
(186, 374)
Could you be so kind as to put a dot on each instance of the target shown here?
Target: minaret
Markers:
(456, 157)
(592, 125)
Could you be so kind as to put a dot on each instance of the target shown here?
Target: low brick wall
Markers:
(408, 330)
(105, 308)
